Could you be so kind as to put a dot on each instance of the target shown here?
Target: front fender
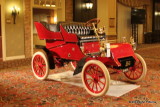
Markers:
(121, 50)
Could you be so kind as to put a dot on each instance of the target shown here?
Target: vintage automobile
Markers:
(86, 47)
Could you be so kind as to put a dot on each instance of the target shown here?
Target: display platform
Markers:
(116, 89)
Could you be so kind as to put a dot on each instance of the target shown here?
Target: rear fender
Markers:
(50, 58)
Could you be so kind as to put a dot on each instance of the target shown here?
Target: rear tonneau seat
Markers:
(83, 32)
(45, 32)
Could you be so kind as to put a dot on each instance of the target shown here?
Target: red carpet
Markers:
(18, 88)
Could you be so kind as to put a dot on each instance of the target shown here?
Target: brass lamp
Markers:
(15, 12)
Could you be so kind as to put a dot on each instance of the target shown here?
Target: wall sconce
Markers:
(88, 4)
(157, 13)
(15, 12)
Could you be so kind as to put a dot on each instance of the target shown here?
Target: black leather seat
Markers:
(77, 28)
(84, 33)
(51, 27)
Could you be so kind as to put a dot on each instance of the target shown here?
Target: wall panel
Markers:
(14, 33)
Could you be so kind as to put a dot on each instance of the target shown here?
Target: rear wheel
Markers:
(40, 65)
(138, 71)
(96, 78)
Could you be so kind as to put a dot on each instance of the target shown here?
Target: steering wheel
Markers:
(95, 21)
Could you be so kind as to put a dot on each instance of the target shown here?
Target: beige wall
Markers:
(112, 14)
(106, 10)
(14, 33)
(102, 13)
(124, 26)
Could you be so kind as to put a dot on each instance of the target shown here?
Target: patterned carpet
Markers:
(18, 88)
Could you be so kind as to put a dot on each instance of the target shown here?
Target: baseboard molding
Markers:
(14, 57)
(15, 62)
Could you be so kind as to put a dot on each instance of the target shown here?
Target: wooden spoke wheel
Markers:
(40, 65)
(95, 78)
(138, 71)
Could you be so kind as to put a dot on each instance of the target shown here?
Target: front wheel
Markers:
(96, 78)
(40, 65)
(138, 71)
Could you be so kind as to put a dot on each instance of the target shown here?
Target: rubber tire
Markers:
(44, 56)
(144, 70)
(106, 74)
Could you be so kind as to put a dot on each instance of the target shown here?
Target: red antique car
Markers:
(86, 47)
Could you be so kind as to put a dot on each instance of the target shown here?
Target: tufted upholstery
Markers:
(84, 33)
(77, 28)
(51, 27)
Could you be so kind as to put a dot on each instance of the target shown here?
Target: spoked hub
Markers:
(138, 71)
(40, 65)
(95, 78)
(135, 72)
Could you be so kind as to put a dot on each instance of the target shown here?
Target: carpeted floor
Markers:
(19, 88)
